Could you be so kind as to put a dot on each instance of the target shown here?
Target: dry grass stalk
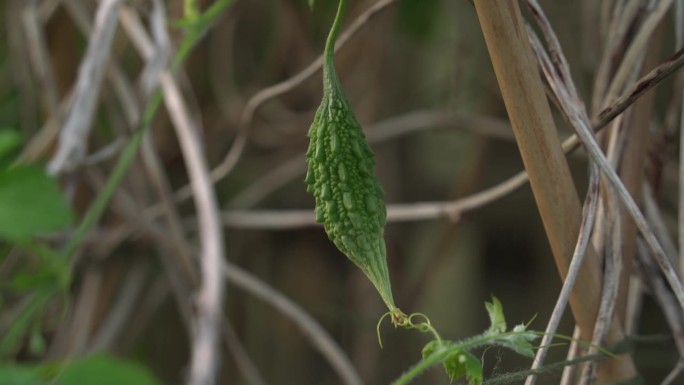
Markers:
(552, 185)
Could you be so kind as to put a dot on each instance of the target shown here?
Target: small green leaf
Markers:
(461, 364)
(473, 370)
(430, 348)
(105, 370)
(520, 341)
(30, 204)
(496, 317)
(453, 366)
(311, 3)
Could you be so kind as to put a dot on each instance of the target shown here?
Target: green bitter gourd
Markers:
(349, 198)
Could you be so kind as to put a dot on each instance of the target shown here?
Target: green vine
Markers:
(456, 357)
(459, 362)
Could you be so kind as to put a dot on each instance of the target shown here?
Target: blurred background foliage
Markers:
(423, 56)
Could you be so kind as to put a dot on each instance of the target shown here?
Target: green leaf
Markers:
(461, 364)
(105, 370)
(519, 341)
(30, 204)
(496, 317)
(311, 3)
(19, 375)
(453, 366)
(473, 369)
(430, 348)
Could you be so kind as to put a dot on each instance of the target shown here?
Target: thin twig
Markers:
(637, 46)
(619, 105)
(105, 153)
(612, 271)
(314, 331)
(156, 293)
(72, 336)
(674, 317)
(37, 48)
(120, 312)
(378, 132)
(674, 374)
(157, 176)
(619, 21)
(74, 135)
(155, 63)
(205, 355)
(41, 142)
(662, 295)
(679, 37)
(126, 207)
(555, 50)
(47, 8)
(285, 219)
(639, 88)
(17, 58)
(580, 122)
(150, 157)
(244, 364)
(116, 76)
(588, 216)
(311, 329)
(635, 300)
(282, 219)
(559, 80)
(656, 220)
(632, 208)
(570, 372)
(633, 93)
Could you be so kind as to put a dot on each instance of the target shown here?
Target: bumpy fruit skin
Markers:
(349, 198)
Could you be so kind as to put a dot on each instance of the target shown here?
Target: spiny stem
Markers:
(444, 350)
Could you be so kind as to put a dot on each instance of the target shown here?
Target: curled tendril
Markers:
(400, 319)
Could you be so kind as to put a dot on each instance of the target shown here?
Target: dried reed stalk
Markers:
(540, 148)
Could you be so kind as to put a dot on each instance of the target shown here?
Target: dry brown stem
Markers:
(550, 178)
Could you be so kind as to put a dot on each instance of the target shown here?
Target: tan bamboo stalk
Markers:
(540, 148)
